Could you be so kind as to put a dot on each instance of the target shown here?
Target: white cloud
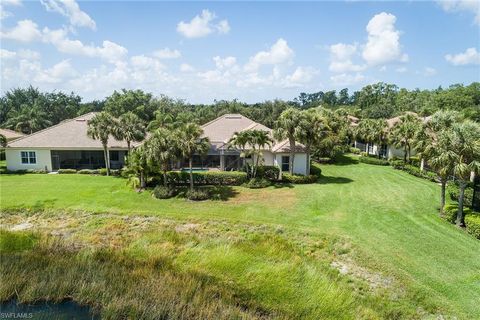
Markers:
(383, 45)
(167, 53)
(472, 6)
(109, 51)
(24, 31)
(202, 25)
(341, 58)
(185, 67)
(71, 10)
(5, 54)
(224, 63)
(278, 53)
(470, 57)
(144, 62)
(4, 13)
(345, 79)
(401, 70)
(300, 76)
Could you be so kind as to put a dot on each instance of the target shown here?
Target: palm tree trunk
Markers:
(409, 153)
(191, 173)
(442, 199)
(405, 154)
(366, 150)
(107, 158)
(142, 180)
(165, 178)
(292, 155)
(461, 196)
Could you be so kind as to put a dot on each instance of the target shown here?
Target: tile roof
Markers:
(70, 133)
(10, 134)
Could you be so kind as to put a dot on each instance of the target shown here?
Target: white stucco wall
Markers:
(398, 153)
(300, 163)
(14, 160)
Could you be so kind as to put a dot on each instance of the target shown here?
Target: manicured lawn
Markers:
(380, 224)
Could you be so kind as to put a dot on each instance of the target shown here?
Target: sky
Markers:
(251, 51)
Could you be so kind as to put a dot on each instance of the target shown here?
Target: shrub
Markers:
(453, 191)
(473, 224)
(364, 154)
(396, 163)
(227, 178)
(36, 171)
(197, 194)
(355, 150)
(257, 183)
(415, 161)
(162, 192)
(299, 179)
(415, 171)
(66, 171)
(324, 160)
(450, 212)
(87, 171)
(268, 172)
(375, 161)
(315, 170)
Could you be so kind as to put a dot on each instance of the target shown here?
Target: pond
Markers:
(46, 310)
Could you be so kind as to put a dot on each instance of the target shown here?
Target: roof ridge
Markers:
(48, 128)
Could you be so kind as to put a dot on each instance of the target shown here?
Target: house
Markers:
(67, 146)
(388, 151)
(63, 146)
(223, 157)
(10, 134)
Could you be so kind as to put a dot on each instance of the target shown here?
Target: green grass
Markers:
(381, 223)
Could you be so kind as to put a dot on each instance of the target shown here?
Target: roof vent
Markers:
(233, 117)
(80, 120)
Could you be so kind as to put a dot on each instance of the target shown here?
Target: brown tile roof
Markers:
(69, 134)
(10, 134)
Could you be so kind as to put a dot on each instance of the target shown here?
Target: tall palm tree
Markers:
(465, 152)
(162, 120)
(403, 134)
(287, 127)
(240, 141)
(371, 131)
(313, 129)
(130, 128)
(100, 127)
(163, 149)
(138, 163)
(191, 142)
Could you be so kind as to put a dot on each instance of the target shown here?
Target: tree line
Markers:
(28, 110)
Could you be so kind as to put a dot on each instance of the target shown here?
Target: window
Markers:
(114, 156)
(28, 157)
(285, 163)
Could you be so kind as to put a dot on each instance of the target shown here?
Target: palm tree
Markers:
(313, 129)
(239, 141)
(403, 134)
(163, 149)
(29, 120)
(465, 152)
(287, 127)
(100, 127)
(190, 142)
(259, 140)
(162, 120)
(129, 128)
(371, 131)
(138, 163)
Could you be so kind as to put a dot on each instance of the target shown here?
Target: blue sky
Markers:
(253, 51)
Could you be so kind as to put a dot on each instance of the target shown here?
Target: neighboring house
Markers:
(388, 151)
(10, 134)
(222, 157)
(67, 146)
(63, 146)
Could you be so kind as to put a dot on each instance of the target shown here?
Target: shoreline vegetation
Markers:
(334, 249)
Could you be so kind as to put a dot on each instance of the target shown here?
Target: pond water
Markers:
(46, 310)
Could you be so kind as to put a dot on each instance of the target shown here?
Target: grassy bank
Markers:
(278, 249)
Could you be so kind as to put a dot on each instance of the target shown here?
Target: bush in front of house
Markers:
(66, 171)
(315, 170)
(257, 183)
(450, 212)
(268, 172)
(415, 171)
(113, 172)
(225, 178)
(324, 160)
(354, 150)
(299, 179)
(472, 222)
(197, 194)
(162, 192)
(374, 161)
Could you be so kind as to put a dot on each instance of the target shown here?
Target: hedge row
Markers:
(299, 179)
(473, 225)
(371, 160)
(453, 191)
(227, 178)
(268, 172)
(415, 171)
(102, 171)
